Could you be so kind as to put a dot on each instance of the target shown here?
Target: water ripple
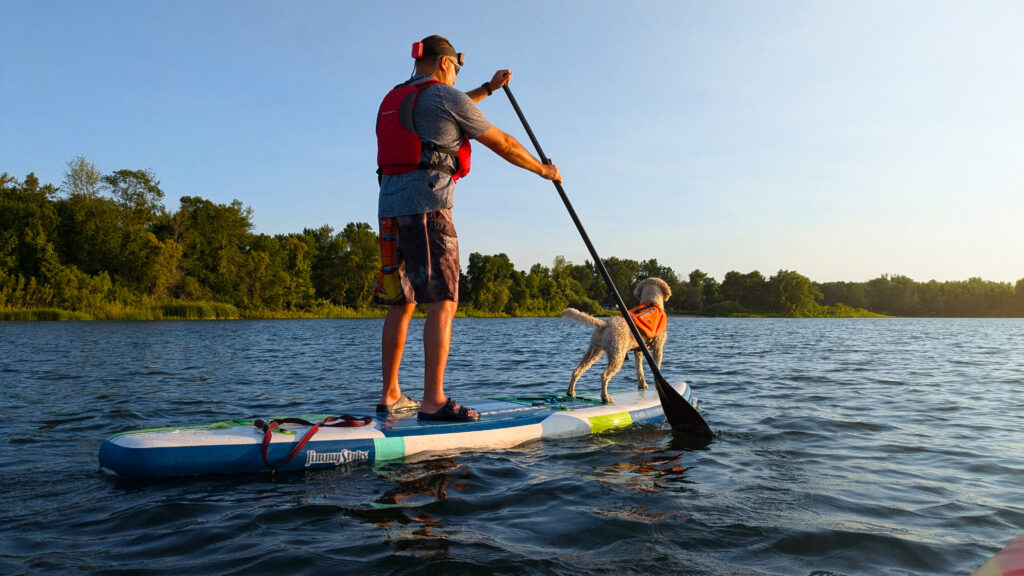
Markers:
(844, 447)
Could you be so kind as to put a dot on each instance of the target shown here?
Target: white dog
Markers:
(612, 335)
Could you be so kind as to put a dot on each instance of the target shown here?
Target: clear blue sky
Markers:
(843, 140)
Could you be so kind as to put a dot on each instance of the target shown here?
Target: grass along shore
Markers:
(186, 310)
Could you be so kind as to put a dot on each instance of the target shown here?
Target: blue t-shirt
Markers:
(443, 114)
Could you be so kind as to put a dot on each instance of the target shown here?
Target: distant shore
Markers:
(222, 311)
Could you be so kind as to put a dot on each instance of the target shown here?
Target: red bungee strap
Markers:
(331, 421)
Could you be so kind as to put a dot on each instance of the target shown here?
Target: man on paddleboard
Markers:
(424, 126)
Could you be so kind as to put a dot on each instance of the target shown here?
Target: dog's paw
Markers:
(642, 385)
(607, 399)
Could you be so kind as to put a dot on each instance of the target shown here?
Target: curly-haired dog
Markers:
(612, 335)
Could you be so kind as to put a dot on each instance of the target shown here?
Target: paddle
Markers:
(681, 415)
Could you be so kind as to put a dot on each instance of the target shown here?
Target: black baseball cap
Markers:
(438, 46)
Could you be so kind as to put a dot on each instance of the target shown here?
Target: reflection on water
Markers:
(419, 483)
(403, 510)
(643, 465)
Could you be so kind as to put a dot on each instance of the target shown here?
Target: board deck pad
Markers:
(235, 446)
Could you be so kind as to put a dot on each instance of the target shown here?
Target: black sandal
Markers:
(451, 412)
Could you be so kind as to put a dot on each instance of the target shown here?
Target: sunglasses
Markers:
(458, 60)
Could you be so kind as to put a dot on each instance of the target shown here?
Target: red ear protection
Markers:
(417, 50)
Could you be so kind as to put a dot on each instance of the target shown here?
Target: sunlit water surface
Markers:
(862, 446)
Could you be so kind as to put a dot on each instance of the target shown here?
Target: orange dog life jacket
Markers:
(650, 319)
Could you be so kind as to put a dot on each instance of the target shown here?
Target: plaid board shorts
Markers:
(428, 256)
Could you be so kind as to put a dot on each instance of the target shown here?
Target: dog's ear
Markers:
(638, 290)
(666, 290)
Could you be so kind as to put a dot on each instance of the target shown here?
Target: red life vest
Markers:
(650, 319)
(399, 147)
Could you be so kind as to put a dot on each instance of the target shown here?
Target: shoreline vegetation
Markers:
(222, 311)
(104, 247)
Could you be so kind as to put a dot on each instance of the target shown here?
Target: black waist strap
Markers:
(453, 152)
(435, 166)
(435, 148)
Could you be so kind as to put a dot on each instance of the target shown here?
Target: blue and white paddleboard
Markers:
(237, 446)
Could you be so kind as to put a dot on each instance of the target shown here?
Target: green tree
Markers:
(1017, 309)
(553, 285)
(568, 288)
(360, 263)
(531, 291)
(26, 211)
(748, 290)
(490, 282)
(691, 295)
(624, 274)
(1018, 299)
(519, 294)
(329, 279)
(895, 296)
(81, 178)
(116, 234)
(297, 288)
(33, 274)
(344, 265)
(147, 265)
(712, 292)
(69, 287)
(275, 273)
(90, 234)
(849, 293)
(586, 284)
(139, 195)
(214, 238)
(651, 269)
(17, 292)
(793, 294)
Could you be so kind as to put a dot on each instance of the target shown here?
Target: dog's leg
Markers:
(641, 382)
(592, 355)
(657, 348)
(614, 365)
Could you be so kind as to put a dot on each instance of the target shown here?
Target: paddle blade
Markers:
(681, 415)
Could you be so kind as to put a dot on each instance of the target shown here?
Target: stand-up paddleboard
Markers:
(261, 445)
(1008, 562)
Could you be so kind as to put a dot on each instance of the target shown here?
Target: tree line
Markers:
(103, 243)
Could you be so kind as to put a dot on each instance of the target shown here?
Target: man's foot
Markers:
(403, 404)
(451, 412)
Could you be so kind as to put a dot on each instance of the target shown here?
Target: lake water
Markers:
(853, 446)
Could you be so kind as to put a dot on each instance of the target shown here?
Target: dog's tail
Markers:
(581, 317)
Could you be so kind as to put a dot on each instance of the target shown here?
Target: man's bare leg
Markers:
(437, 337)
(396, 328)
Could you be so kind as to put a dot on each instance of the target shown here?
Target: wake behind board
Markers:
(237, 446)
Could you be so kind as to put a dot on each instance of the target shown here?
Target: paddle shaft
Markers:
(680, 417)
